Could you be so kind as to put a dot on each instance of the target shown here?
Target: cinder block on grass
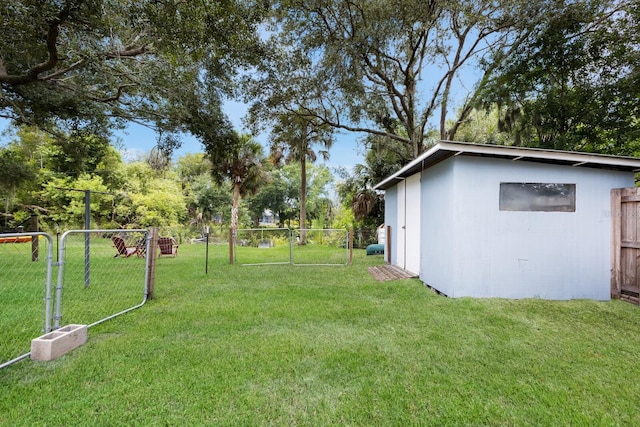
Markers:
(56, 343)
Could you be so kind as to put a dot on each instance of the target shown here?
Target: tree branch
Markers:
(114, 97)
(32, 74)
(65, 70)
(129, 52)
(339, 125)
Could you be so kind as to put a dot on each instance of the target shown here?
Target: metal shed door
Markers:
(399, 236)
(408, 236)
(412, 224)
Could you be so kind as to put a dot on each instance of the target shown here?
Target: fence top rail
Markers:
(26, 233)
(32, 234)
(321, 229)
(265, 229)
(290, 229)
(128, 230)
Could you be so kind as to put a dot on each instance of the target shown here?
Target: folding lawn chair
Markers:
(123, 249)
(168, 246)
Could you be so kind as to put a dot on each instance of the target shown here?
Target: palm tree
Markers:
(292, 139)
(241, 164)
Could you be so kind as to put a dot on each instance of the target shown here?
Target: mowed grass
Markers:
(283, 345)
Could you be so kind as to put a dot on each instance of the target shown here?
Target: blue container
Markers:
(375, 249)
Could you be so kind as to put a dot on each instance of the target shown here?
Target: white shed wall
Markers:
(437, 249)
(550, 255)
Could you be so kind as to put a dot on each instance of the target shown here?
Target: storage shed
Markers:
(494, 221)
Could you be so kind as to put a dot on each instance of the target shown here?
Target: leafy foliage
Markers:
(279, 194)
(65, 199)
(135, 194)
(383, 68)
(89, 65)
(574, 84)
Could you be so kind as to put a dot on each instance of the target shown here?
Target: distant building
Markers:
(268, 218)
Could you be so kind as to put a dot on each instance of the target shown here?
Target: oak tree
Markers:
(93, 64)
(388, 68)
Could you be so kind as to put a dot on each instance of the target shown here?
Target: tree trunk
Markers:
(6, 210)
(417, 142)
(234, 209)
(303, 199)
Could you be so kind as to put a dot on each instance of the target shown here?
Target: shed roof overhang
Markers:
(445, 149)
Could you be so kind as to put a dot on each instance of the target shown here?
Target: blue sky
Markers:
(138, 139)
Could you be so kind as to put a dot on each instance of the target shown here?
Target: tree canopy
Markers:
(387, 68)
(93, 64)
(292, 140)
(237, 159)
(574, 83)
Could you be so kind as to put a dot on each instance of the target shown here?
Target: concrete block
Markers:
(56, 343)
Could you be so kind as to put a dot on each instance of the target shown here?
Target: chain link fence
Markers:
(25, 271)
(100, 274)
(320, 247)
(263, 246)
(363, 237)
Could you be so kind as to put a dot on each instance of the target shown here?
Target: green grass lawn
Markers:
(283, 345)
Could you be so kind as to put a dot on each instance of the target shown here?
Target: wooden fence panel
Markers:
(625, 250)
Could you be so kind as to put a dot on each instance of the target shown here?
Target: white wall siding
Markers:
(436, 247)
(551, 255)
(399, 239)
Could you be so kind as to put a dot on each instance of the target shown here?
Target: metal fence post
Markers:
(47, 304)
(291, 245)
(206, 257)
(350, 257)
(61, 257)
(87, 239)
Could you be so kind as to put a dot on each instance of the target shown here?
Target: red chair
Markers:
(168, 246)
(123, 249)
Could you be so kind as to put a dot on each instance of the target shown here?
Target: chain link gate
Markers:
(100, 274)
(263, 246)
(322, 246)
